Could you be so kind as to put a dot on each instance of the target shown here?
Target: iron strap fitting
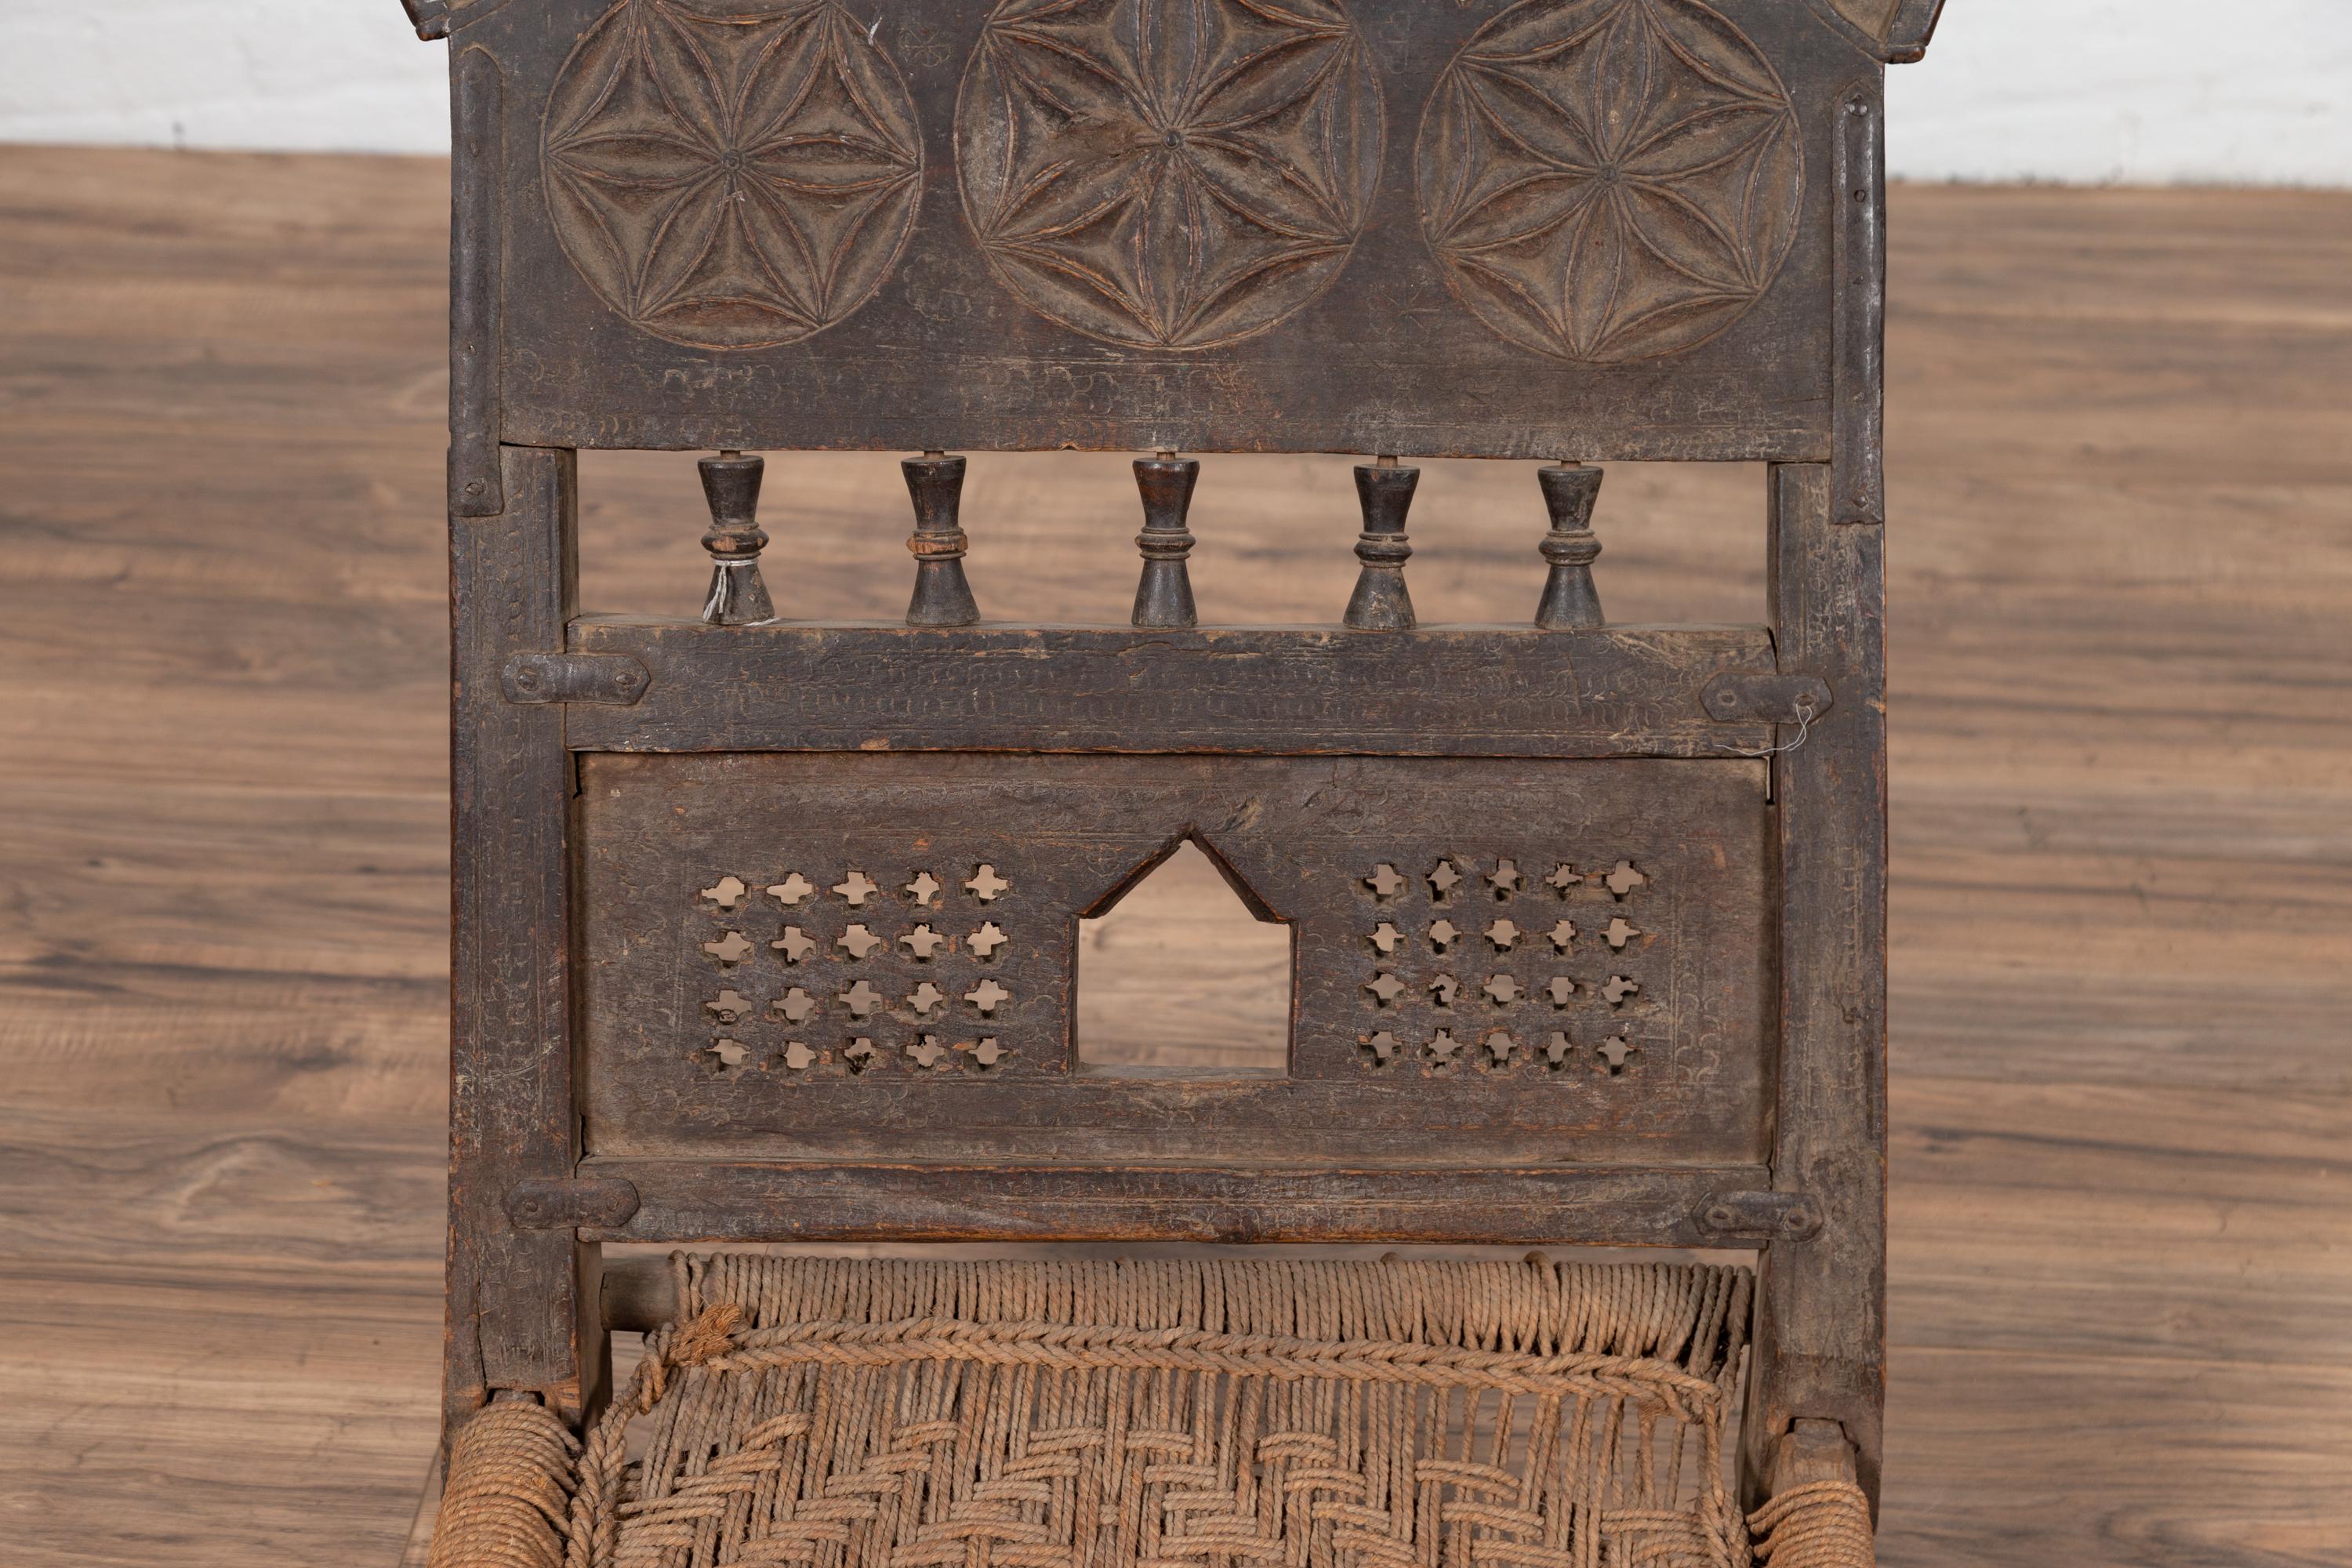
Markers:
(614, 678)
(1765, 697)
(605, 1202)
(1759, 1216)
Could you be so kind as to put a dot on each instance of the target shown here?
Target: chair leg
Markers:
(1817, 1516)
(509, 1494)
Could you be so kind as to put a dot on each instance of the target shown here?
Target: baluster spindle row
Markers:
(1163, 596)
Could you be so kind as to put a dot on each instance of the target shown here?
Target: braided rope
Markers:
(509, 1492)
(894, 1414)
(1823, 1524)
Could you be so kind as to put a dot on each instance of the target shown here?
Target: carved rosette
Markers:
(731, 181)
(1610, 180)
(1168, 174)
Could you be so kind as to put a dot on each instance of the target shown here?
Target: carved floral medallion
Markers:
(1610, 180)
(1168, 174)
(735, 179)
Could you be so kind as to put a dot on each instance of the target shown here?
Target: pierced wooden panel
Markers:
(1555, 227)
(856, 956)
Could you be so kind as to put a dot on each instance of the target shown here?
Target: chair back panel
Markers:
(1559, 228)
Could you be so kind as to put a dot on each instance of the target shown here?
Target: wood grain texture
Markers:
(2119, 560)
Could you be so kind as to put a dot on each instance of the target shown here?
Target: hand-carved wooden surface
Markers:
(1192, 226)
(733, 180)
(1168, 174)
(865, 955)
(1610, 180)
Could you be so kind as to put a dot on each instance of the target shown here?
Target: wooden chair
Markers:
(765, 927)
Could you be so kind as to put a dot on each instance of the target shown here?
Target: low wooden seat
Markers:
(766, 923)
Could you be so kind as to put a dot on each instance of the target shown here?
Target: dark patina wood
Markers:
(514, 1297)
(1458, 974)
(1616, 1206)
(1355, 303)
(1587, 922)
(1626, 692)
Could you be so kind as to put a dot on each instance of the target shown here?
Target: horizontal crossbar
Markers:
(695, 1201)
(1472, 691)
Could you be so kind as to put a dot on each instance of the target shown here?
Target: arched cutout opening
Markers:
(1180, 974)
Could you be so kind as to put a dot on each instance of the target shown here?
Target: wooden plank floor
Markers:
(2120, 462)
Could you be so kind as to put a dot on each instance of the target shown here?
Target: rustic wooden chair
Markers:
(765, 928)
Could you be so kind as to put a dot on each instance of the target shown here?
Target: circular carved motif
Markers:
(735, 181)
(1168, 174)
(1610, 180)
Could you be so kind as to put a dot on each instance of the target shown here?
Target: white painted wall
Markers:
(2255, 91)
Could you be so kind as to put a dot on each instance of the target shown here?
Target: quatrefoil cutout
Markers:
(736, 176)
(1168, 174)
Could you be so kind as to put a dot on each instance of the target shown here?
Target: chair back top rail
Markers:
(1566, 229)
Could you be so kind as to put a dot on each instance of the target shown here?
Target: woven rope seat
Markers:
(1130, 1413)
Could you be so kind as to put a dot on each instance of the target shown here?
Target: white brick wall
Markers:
(2137, 90)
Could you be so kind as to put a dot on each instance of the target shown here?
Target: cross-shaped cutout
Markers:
(792, 889)
(924, 942)
(1386, 939)
(986, 885)
(1557, 1051)
(1559, 990)
(729, 1006)
(858, 940)
(1624, 878)
(859, 1054)
(729, 1056)
(1565, 878)
(1443, 989)
(926, 1051)
(794, 944)
(1385, 989)
(861, 999)
(1381, 1048)
(1561, 934)
(1500, 1047)
(798, 1056)
(1505, 878)
(733, 948)
(1384, 882)
(922, 889)
(988, 1053)
(1618, 933)
(1613, 1051)
(925, 997)
(1443, 879)
(795, 1006)
(1503, 933)
(1618, 988)
(1445, 1050)
(1502, 988)
(1442, 935)
(986, 995)
(728, 893)
(986, 941)
(857, 888)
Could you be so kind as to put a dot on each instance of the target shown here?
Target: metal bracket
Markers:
(1759, 1216)
(604, 1200)
(1765, 697)
(614, 678)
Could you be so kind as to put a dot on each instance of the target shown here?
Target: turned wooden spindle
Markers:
(731, 482)
(1164, 596)
(1569, 599)
(942, 592)
(1381, 602)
